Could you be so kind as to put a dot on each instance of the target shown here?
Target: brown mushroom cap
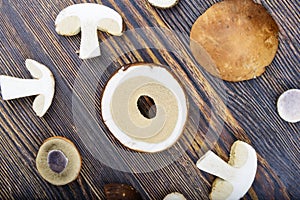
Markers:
(115, 191)
(235, 39)
(69, 150)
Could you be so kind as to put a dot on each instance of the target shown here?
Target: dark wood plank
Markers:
(248, 109)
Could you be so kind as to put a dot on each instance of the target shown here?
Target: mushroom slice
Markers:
(88, 17)
(288, 105)
(163, 3)
(125, 119)
(236, 177)
(43, 85)
(174, 196)
(235, 40)
(58, 161)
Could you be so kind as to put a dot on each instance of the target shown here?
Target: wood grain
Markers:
(246, 110)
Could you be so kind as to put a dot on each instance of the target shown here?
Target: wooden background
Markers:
(248, 111)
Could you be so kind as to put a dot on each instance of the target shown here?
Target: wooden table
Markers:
(246, 110)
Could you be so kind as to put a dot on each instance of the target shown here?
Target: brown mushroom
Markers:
(58, 161)
(115, 191)
(235, 40)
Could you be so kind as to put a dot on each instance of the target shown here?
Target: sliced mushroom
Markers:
(58, 161)
(235, 40)
(288, 105)
(174, 196)
(236, 177)
(123, 117)
(163, 3)
(88, 17)
(43, 85)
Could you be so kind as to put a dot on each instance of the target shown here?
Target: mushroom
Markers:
(43, 85)
(174, 196)
(88, 17)
(236, 177)
(235, 40)
(288, 105)
(58, 161)
(116, 191)
(163, 3)
(123, 117)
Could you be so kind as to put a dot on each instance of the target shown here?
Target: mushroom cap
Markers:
(114, 191)
(163, 3)
(288, 105)
(70, 173)
(69, 20)
(174, 196)
(123, 118)
(235, 40)
(44, 100)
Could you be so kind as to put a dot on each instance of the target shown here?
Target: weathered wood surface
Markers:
(248, 109)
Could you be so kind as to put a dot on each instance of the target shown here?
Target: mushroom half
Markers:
(88, 18)
(125, 119)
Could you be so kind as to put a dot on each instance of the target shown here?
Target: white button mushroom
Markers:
(174, 196)
(288, 105)
(236, 177)
(163, 3)
(88, 17)
(43, 86)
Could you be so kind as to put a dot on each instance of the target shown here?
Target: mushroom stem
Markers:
(13, 88)
(213, 164)
(89, 46)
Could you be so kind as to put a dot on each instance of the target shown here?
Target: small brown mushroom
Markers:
(58, 161)
(117, 191)
(235, 40)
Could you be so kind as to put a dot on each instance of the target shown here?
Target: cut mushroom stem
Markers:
(88, 17)
(14, 88)
(239, 172)
(89, 46)
(43, 86)
(213, 164)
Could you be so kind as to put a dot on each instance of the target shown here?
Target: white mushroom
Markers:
(88, 17)
(236, 177)
(174, 196)
(288, 105)
(43, 86)
(163, 3)
(123, 117)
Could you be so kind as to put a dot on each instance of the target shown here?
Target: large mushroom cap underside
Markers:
(235, 40)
